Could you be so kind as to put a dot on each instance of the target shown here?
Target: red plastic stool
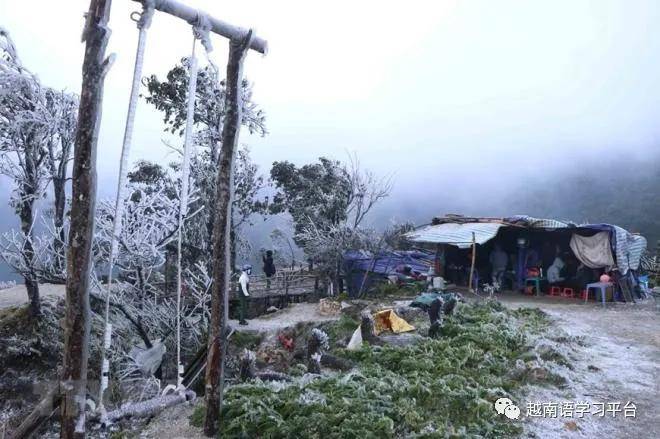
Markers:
(555, 291)
(568, 292)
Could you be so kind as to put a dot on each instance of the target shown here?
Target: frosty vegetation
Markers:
(37, 128)
(327, 204)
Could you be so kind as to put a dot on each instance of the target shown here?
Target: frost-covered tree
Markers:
(169, 97)
(249, 201)
(319, 193)
(149, 226)
(24, 131)
(283, 247)
(394, 236)
(37, 131)
(63, 109)
(328, 202)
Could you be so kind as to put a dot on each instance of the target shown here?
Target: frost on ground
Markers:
(285, 318)
(570, 352)
(16, 295)
(614, 356)
(437, 387)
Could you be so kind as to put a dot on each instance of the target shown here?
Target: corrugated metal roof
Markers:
(456, 234)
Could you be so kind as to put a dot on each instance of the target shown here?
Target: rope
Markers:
(143, 24)
(185, 177)
(201, 28)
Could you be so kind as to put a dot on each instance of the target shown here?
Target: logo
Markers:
(506, 407)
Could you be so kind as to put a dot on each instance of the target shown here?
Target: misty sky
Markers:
(452, 98)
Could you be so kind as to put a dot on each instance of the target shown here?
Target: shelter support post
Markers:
(474, 256)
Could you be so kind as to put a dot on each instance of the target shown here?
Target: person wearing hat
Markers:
(244, 281)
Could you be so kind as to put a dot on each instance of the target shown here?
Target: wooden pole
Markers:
(221, 246)
(79, 261)
(192, 15)
(474, 255)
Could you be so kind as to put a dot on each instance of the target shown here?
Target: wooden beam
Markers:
(219, 27)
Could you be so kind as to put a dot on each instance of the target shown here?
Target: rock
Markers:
(404, 339)
(272, 309)
(409, 312)
(329, 307)
(571, 426)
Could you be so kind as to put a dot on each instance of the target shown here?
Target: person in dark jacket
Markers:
(269, 266)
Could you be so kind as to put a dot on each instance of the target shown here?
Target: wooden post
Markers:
(221, 247)
(474, 255)
(79, 263)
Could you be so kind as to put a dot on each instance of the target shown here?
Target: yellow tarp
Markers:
(387, 320)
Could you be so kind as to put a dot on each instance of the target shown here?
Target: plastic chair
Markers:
(568, 292)
(536, 283)
(600, 287)
(555, 291)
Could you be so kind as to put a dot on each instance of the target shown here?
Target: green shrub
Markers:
(443, 387)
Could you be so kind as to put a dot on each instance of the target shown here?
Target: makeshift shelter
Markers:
(363, 269)
(603, 247)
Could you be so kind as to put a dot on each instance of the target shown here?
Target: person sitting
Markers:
(498, 261)
(554, 272)
(532, 258)
(583, 276)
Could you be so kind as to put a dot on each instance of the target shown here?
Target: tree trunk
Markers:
(79, 262)
(232, 248)
(60, 203)
(26, 215)
(221, 235)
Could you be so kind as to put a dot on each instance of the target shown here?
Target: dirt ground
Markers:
(618, 361)
(173, 423)
(17, 295)
(287, 317)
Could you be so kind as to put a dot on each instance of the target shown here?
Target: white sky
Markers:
(431, 91)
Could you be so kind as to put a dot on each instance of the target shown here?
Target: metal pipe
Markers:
(219, 27)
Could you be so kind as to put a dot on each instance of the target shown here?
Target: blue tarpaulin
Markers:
(357, 263)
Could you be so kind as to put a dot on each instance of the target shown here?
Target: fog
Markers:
(476, 107)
